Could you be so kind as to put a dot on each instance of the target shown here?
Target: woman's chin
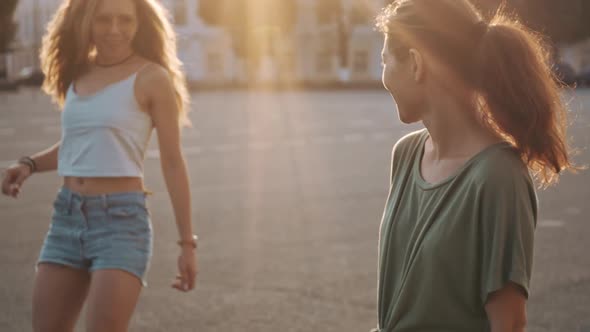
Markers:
(407, 119)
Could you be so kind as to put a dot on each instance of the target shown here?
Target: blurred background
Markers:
(288, 43)
(289, 163)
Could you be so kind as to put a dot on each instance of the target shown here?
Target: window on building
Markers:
(288, 63)
(328, 11)
(180, 12)
(323, 62)
(214, 64)
(360, 62)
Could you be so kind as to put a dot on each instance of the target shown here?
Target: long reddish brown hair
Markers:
(507, 65)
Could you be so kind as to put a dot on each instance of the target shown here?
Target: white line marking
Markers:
(361, 123)
(152, 154)
(52, 129)
(323, 140)
(44, 120)
(296, 142)
(551, 223)
(7, 131)
(260, 145)
(225, 148)
(381, 136)
(351, 138)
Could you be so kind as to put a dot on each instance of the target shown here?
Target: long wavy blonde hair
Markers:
(67, 49)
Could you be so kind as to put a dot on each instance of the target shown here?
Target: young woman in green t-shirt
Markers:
(456, 239)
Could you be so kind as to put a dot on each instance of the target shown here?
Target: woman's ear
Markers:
(417, 65)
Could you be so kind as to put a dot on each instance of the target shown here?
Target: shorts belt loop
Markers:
(70, 201)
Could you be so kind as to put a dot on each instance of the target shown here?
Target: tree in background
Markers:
(563, 21)
(7, 24)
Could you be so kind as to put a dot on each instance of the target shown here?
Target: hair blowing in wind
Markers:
(504, 63)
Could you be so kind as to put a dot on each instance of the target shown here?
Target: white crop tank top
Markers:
(105, 134)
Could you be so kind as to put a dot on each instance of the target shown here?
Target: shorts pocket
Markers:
(127, 212)
(60, 207)
(123, 211)
(126, 222)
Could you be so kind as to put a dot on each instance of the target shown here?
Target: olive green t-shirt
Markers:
(444, 247)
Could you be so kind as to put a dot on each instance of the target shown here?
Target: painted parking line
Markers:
(261, 145)
(352, 138)
(152, 154)
(36, 121)
(549, 223)
(296, 142)
(323, 140)
(573, 211)
(188, 151)
(52, 129)
(361, 123)
(7, 131)
(225, 148)
(382, 136)
(191, 133)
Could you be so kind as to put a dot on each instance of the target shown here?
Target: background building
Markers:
(32, 17)
(314, 51)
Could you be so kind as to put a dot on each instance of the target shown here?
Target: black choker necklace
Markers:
(114, 64)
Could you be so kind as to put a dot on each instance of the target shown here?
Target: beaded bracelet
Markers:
(29, 162)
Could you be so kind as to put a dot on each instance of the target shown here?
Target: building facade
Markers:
(311, 53)
(205, 51)
(32, 17)
(577, 56)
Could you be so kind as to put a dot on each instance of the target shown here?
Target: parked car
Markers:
(7, 85)
(565, 73)
(31, 76)
(583, 77)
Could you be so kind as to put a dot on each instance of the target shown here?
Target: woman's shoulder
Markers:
(410, 142)
(151, 72)
(152, 79)
(501, 167)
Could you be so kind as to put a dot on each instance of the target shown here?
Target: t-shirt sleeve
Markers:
(402, 150)
(508, 212)
(395, 160)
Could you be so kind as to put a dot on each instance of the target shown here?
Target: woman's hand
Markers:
(187, 269)
(13, 178)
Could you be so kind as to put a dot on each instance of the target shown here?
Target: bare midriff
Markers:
(103, 185)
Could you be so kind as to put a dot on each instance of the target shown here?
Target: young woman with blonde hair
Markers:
(112, 66)
(456, 238)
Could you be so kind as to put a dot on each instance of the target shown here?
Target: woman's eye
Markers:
(126, 20)
(102, 20)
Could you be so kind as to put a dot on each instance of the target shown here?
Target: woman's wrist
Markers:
(29, 163)
(188, 243)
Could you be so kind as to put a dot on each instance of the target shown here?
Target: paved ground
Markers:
(288, 191)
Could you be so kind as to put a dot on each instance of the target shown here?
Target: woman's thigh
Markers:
(112, 299)
(58, 297)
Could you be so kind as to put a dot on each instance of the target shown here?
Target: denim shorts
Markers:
(94, 232)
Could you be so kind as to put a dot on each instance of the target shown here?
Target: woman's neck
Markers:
(455, 128)
(113, 59)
